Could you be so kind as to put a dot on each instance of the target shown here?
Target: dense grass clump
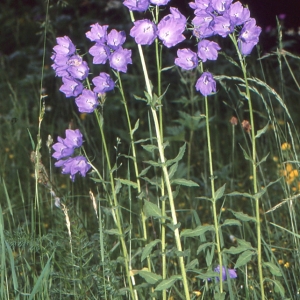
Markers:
(140, 178)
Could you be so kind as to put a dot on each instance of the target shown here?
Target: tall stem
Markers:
(165, 171)
(258, 228)
(115, 210)
(214, 202)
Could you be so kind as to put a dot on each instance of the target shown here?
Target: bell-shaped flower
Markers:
(231, 272)
(115, 39)
(100, 53)
(203, 25)
(61, 150)
(144, 32)
(65, 46)
(159, 2)
(87, 101)
(237, 13)
(137, 5)
(74, 165)
(187, 59)
(222, 26)
(73, 138)
(171, 27)
(71, 87)
(119, 59)
(103, 83)
(77, 67)
(220, 6)
(97, 33)
(249, 36)
(206, 84)
(208, 50)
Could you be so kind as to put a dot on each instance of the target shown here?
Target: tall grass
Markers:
(175, 189)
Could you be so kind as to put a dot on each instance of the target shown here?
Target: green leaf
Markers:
(42, 278)
(165, 284)
(150, 277)
(139, 98)
(151, 210)
(244, 258)
(173, 227)
(167, 68)
(273, 268)
(204, 246)
(236, 250)
(241, 195)
(136, 126)
(31, 140)
(172, 170)
(262, 131)
(128, 182)
(192, 264)
(148, 248)
(243, 217)
(230, 222)
(152, 182)
(263, 159)
(245, 154)
(185, 182)
(150, 148)
(144, 172)
(209, 274)
(178, 157)
(197, 231)
(218, 296)
(113, 231)
(153, 163)
(220, 192)
(279, 288)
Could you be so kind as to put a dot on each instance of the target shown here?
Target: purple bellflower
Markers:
(73, 138)
(103, 83)
(77, 67)
(187, 59)
(65, 46)
(231, 272)
(222, 26)
(144, 32)
(220, 6)
(71, 87)
(97, 33)
(137, 5)
(60, 65)
(171, 27)
(200, 4)
(249, 36)
(87, 101)
(208, 50)
(115, 39)
(100, 52)
(74, 165)
(206, 84)
(203, 24)
(159, 2)
(237, 13)
(61, 150)
(119, 59)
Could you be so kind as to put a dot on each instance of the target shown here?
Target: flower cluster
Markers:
(169, 30)
(220, 17)
(109, 47)
(65, 148)
(216, 17)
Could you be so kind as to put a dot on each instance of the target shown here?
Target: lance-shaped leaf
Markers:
(197, 231)
(243, 217)
(151, 210)
(178, 157)
(272, 268)
(262, 131)
(148, 248)
(167, 283)
(244, 258)
(150, 277)
(185, 182)
(220, 192)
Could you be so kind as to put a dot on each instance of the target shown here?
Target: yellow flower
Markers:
(285, 146)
